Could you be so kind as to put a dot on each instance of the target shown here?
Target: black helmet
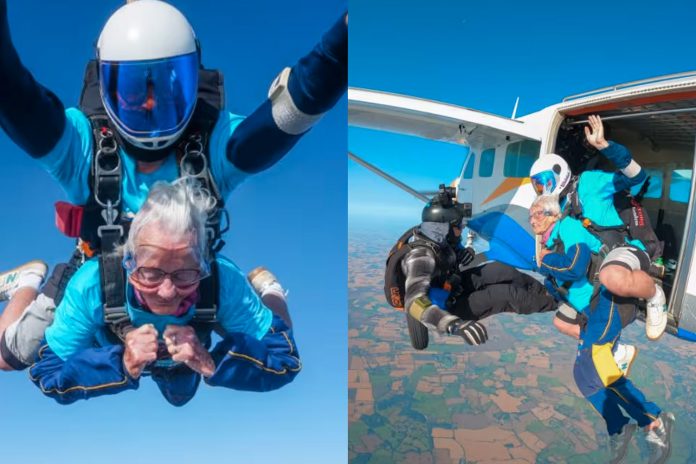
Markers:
(444, 208)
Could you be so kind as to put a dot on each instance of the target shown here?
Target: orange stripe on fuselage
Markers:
(505, 186)
(615, 105)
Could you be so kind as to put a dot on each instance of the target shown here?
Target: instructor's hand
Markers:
(595, 133)
(473, 332)
(465, 256)
(140, 349)
(184, 346)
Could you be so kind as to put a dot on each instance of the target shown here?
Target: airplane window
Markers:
(680, 188)
(469, 170)
(655, 185)
(486, 164)
(519, 158)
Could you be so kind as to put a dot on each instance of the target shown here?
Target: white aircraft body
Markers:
(654, 118)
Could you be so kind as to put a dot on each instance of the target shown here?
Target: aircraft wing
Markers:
(432, 120)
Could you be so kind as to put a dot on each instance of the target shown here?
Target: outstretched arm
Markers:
(31, 115)
(419, 267)
(297, 99)
(244, 363)
(631, 172)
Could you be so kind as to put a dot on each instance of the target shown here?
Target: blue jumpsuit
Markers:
(596, 373)
(257, 351)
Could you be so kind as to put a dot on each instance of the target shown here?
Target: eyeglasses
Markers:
(152, 276)
(539, 214)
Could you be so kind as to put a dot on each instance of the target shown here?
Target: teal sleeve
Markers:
(78, 316)
(227, 176)
(69, 161)
(240, 309)
(596, 194)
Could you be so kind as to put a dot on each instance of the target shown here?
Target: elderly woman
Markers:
(565, 260)
(165, 258)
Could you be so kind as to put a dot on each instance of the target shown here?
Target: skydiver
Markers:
(624, 269)
(565, 262)
(147, 106)
(444, 296)
(166, 257)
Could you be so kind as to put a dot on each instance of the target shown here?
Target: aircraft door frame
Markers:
(683, 301)
(465, 187)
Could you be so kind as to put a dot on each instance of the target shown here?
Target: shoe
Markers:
(11, 280)
(624, 357)
(660, 439)
(271, 292)
(656, 315)
(264, 282)
(618, 443)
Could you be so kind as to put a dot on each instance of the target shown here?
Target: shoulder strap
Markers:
(112, 278)
(572, 208)
(208, 291)
(90, 98)
(193, 151)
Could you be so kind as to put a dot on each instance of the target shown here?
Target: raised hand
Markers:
(595, 133)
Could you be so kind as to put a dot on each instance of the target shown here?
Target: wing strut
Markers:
(389, 178)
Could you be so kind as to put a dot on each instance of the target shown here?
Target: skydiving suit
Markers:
(471, 294)
(62, 141)
(80, 361)
(596, 373)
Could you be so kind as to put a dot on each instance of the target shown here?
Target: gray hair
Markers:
(548, 204)
(180, 208)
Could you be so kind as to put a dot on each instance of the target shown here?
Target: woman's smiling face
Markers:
(156, 251)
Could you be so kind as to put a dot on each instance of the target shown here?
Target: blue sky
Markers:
(483, 55)
(291, 218)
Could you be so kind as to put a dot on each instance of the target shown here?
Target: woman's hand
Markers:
(140, 349)
(184, 346)
(543, 252)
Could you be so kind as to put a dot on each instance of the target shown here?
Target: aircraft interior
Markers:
(661, 137)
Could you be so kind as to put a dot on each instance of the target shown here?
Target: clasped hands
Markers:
(182, 343)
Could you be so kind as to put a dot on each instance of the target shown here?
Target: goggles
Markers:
(152, 98)
(544, 183)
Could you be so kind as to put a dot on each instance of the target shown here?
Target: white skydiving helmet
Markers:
(550, 175)
(148, 72)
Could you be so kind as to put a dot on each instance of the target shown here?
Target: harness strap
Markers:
(193, 161)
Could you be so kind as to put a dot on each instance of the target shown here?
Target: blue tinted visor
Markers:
(544, 183)
(153, 98)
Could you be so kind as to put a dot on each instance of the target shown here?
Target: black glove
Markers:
(474, 333)
(465, 256)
